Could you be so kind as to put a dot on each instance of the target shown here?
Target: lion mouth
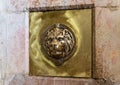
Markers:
(56, 52)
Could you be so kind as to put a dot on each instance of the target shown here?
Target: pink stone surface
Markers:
(2, 45)
(49, 3)
(17, 43)
(108, 3)
(2, 5)
(26, 80)
(17, 5)
(108, 43)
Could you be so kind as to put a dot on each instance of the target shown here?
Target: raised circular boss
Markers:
(58, 43)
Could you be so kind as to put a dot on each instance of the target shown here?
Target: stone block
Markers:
(2, 5)
(107, 43)
(50, 3)
(16, 5)
(3, 49)
(106, 3)
(17, 43)
(19, 79)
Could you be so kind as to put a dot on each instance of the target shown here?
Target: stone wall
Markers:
(14, 43)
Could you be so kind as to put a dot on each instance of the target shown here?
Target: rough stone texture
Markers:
(2, 5)
(17, 43)
(49, 3)
(106, 3)
(16, 5)
(108, 43)
(2, 45)
(26, 80)
(13, 5)
(14, 42)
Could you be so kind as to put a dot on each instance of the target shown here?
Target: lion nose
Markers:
(55, 46)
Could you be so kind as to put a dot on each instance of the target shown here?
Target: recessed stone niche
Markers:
(61, 42)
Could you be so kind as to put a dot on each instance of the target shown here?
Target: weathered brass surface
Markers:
(79, 62)
(58, 42)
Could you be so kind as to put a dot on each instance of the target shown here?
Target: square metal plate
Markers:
(80, 63)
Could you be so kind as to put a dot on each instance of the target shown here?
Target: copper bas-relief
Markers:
(58, 42)
(61, 43)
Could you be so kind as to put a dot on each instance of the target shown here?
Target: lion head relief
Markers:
(58, 43)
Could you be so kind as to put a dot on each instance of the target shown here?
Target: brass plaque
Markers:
(61, 43)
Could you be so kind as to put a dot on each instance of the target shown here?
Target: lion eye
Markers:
(50, 39)
(60, 39)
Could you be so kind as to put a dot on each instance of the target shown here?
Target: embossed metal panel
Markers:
(61, 43)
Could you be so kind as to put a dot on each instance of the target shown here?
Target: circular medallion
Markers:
(58, 42)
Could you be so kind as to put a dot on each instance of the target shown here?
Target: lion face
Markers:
(55, 43)
(58, 41)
